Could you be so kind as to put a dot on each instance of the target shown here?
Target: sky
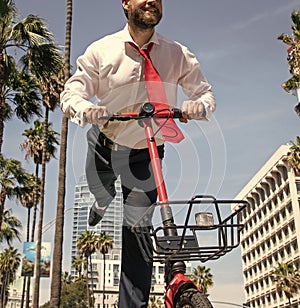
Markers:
(240, 55)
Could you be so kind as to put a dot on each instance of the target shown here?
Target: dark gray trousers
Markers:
(103, 166)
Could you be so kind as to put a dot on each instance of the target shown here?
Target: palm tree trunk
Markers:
(23, 291)
(2, 101)
(2, 201)
(87, 283)
(59, 227)
(2, 108)
(35, 203)
(36, 293)
(2, 295)
(103, 278)
(27, 239)
(28, 292)
(92, 279)
(5, 284)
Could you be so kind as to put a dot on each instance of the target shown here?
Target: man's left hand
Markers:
(192, 111)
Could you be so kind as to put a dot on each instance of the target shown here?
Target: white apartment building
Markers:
(271, 232)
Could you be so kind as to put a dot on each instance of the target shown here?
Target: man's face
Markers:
(144, 14)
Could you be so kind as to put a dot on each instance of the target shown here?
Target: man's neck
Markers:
(140, 36)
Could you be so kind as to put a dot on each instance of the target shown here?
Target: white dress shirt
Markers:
(111, 70)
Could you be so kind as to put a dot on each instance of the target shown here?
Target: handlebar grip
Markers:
(177, 113)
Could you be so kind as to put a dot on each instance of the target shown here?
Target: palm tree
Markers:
(30, 37)
(33, 147)
(106, 243)
(10, 261)
(293, 56)
(28, 200)
(293, 156)
(88, 243)
(60, 208)
(78, 263)
(67, 278)
(45, 64)
(12, 179)
(42, 63)
(202, 277)
(287, 279)
(10, 227)
(45, 149)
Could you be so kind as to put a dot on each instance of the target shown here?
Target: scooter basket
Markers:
(184, 242)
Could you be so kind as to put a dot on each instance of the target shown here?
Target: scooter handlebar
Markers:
(147, 111)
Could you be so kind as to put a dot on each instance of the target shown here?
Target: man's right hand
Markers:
(93, 115)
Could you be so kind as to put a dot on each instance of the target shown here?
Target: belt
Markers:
(106, 142)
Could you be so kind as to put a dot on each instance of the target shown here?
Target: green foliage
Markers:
(29, 36)
(106, 243)
(293, 41)
(293, 156)
(72, 295)
(287, 279)
(23, 88)
(155, 302)
(90, 242)
(79, 262)
(10, 260)
(202, 277)
(10, 228)
(13, 178)
(33, 145)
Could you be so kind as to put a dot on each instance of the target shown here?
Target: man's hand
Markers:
(192, 111)
(93, 115)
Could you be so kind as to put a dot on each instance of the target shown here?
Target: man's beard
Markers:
(143, 22)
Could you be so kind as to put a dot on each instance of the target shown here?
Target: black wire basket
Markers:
(208, 238)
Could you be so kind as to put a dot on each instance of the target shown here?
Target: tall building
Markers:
(111, 222)
(112, 225)
(271, 233)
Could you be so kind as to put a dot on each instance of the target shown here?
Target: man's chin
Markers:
(147, 19)
(147, 23)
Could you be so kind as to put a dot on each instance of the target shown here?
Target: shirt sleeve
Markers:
(195, 85)
(80, 88)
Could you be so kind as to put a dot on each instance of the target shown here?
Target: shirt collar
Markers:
(126, 37)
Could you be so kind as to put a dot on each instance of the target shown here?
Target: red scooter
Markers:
(171, 243)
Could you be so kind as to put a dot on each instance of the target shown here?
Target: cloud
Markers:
(271, 12)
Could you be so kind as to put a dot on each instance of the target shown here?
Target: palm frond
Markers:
(32, 32)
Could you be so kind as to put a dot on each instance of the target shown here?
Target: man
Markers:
(113, 69)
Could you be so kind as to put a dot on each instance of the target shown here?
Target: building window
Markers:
(161, 269)
(298, 186)
(266, 187)
(261, 193)
(278, 178)
(256, 198)
(271, 181)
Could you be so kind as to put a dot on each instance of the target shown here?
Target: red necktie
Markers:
(157, 96)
